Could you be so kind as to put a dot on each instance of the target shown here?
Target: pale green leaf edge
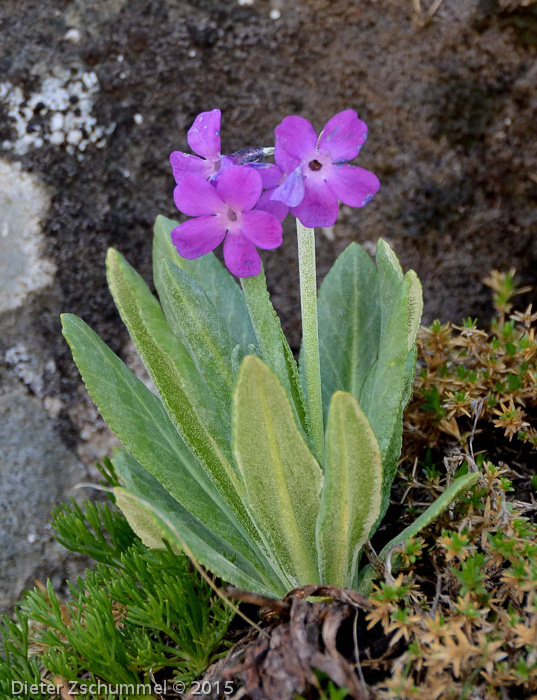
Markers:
(281, 476)
(167, 378)
(351, 493)
(464, 483)
(175, 467)
(139, 510)
(142, 484)
(272, 343)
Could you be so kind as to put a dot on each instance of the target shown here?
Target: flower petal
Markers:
(225, 162)
(240, 187)
(296, 141)
(195, 196)
(277, 209)
(199, 236)
(262, 229)
(343, 136)
(291, 191)
(352, 185)
(204, 134)
(319, 206)
(271, 175)
(241, 257)
(187, 164)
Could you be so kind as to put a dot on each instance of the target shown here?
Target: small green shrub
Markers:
(138, 615)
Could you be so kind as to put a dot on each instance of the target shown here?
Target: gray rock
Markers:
(24, 202)
(36, 472)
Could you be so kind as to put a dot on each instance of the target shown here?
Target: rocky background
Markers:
(95, 94)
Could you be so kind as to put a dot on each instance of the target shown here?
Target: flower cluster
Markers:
(241, 201)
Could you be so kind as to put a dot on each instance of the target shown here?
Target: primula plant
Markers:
(269, 474)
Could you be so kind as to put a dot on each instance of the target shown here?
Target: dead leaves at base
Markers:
(284, 661)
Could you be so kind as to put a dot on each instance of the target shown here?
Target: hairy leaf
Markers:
(195, 319)
(281, 476)
(153, 520)
(275, 350)
(368, 321)
(134, 300)
(216, 281)
(140, 421)
(139, 519)
(386, 389)
(208, 547)
(351, 493)
(216, 458)
(349, 323)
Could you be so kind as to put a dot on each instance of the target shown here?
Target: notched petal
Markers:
(319, 206)
(343, 136)
(262, 229)
(352, 185)
(296, 141)
(204, 134)
(240, 187)
(194, 196)
(240, 256)
(199, 236)
(187, 164)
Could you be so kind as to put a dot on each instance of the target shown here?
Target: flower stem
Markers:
(310, 332)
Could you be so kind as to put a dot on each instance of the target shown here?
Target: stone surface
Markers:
(36, 472)
(24, 203)
(451, 106)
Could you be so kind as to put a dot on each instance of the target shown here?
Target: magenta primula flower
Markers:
(204, 139)
(225, 211)
(316, 169)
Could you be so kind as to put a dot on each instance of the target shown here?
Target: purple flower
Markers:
(271, 177)
(226, 211)
(317, 174)
(204, 139)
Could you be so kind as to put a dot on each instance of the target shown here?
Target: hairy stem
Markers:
(310, 332)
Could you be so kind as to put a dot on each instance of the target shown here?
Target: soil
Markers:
(451, 109)
(450, 103)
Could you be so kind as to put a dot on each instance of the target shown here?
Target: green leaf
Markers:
(392, 284)
(387, 387)
(139, 519)
(368, 321)
(140, 421)
(349, 323)
(390, 276)
(281, 476)
(134, 299)
(457, 488)
(351, 493)
(194, 318)
(393, 451)
(156, 527)
(210, 550)
(391, 279)
(217, 282)
(275, 350)
(215, 457)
